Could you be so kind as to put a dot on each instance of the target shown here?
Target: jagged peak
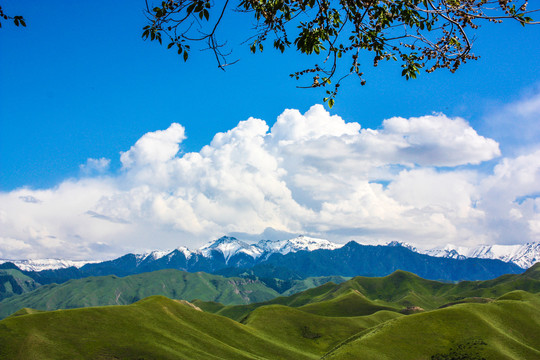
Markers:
(402, 244)
(229, 246)
(224, 240)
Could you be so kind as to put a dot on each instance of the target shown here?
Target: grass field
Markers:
(359, 319)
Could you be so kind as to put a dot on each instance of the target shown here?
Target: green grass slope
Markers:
(112, 290)
(14, 282)
(307, 332)
(357, 319)
(311, 282)
(238, 312)
(507, 328)
(399, 290)
(161, 328)
(153, 328)
(351, 303)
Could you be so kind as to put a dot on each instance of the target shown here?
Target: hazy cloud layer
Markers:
(411, 180)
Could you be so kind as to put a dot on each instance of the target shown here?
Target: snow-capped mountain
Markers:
(230, 246)
(300, 243)
(47, 264)
(524, 256)
(402, 244)
(289, 259)
(231, 252)
(449, 251)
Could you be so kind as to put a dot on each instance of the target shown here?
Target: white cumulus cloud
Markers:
(309, 173)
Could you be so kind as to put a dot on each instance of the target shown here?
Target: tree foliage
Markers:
(18, 20)
(429, 34)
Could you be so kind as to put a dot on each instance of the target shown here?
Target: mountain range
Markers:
(270, 261)
(524, 256)
(234, 250)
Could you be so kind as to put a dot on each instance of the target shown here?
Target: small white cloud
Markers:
(95, 166)
(437, 140)
(154, 147)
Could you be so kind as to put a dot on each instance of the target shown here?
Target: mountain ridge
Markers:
(237, 253)
(289, 260)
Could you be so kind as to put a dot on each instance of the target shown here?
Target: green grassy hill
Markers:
(507, 328)
(176, 284)
(113, 290)
(310, 333)
(351, 303)
(161, 328)
(362, 318)
(14, 282)
(398, 291)
(153, 328)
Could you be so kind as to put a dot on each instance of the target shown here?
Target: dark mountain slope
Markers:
(354, 259)
(112, 290)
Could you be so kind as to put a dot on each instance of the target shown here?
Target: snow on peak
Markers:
(524, 256)
(47, 264)
(230, 246)
(156, 254)
(449, 251)
(150, 256)
(310, 244)
(296, 244)
(184, 250)
(402, 244)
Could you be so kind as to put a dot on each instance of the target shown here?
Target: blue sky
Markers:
(79, 83)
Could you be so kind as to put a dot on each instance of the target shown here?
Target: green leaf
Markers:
(185, 55)
(330, 103)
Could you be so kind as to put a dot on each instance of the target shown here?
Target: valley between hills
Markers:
(171, 314)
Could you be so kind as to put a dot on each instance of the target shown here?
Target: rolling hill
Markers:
(399, 291)
(161, 328)
(507, 328)
(14, 282)
(175, 284)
